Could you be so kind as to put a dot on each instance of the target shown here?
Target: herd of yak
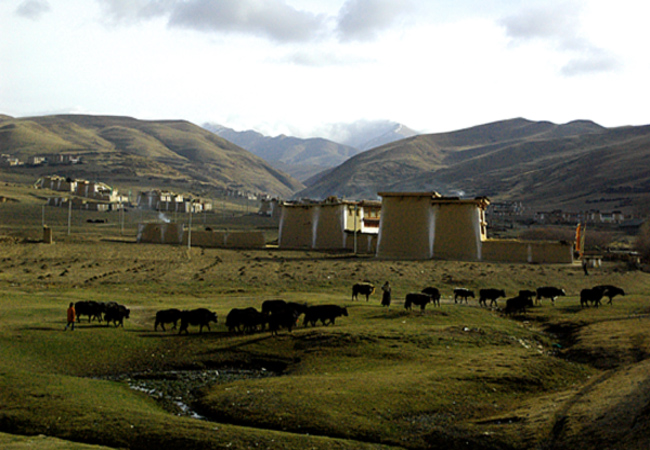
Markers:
(280, 314)
(518, 304)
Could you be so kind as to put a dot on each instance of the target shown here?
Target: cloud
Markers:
(361, 20)
(33, 9)
(591, 62)
(357, 20)
(555, 22)
(272, 19)
(558, 25)
(325, 58)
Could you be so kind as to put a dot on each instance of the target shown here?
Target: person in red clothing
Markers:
(72, 316)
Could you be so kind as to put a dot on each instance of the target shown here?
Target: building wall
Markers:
(329, 221)
(296, 227)
(366, 242)
(457, 232)
(243, 239)
(406, 228)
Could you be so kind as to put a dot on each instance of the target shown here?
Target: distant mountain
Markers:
(175, 155)
(579, 164)
(301, 158)
(366, 135)
(306, 158)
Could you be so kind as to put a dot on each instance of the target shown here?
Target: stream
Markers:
(177, 390)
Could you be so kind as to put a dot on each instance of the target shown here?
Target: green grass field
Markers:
(456, 376)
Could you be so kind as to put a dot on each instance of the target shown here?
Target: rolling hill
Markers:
(127, 152)
(579, 164)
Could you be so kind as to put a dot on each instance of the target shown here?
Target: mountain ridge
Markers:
(515, 159)
(184, 152)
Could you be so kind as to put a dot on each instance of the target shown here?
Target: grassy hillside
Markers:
(545, 165)
(125, 152)
(456, 376)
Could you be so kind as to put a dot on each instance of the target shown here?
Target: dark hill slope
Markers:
(540, 163)
(125, 150)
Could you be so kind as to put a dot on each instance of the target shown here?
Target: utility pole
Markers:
(189, 230)
(356, 214)
(69, 214)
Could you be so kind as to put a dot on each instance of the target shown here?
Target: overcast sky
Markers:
(299, 66)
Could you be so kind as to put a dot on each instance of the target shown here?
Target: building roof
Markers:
(438, 199)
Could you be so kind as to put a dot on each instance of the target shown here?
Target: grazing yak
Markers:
(116, 313)
(268, 306)
(366, 289)
(549, 292)
(419, 299)
(526, 293)
(282, 314)
(490, 294)
(245, 320)
(609, 291)
(327, 314)
(462, 294)
(434, 293)
(90, 308)
(518, 304)
(590, 296)
(164, 316)
(283, 318)
(200, 317)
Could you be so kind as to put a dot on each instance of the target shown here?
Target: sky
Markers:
(300, 67)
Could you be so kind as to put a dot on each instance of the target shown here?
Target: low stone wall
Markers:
(174, 234)
(541, 252)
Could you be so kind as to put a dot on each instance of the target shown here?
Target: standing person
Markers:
(72, 316)
(385, 298)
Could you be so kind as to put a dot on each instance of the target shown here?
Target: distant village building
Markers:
(36, 160)
(570, 217)
(9, 161)
(63, 159)
(513, 208)
(57, 183)
(81, 204)
(269, 207)
(82, 188)
(167, 201)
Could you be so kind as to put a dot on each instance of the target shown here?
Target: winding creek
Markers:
(177, 390)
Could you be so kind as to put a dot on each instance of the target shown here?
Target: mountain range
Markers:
(579, 165)
(305, 158)
(576, 165)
